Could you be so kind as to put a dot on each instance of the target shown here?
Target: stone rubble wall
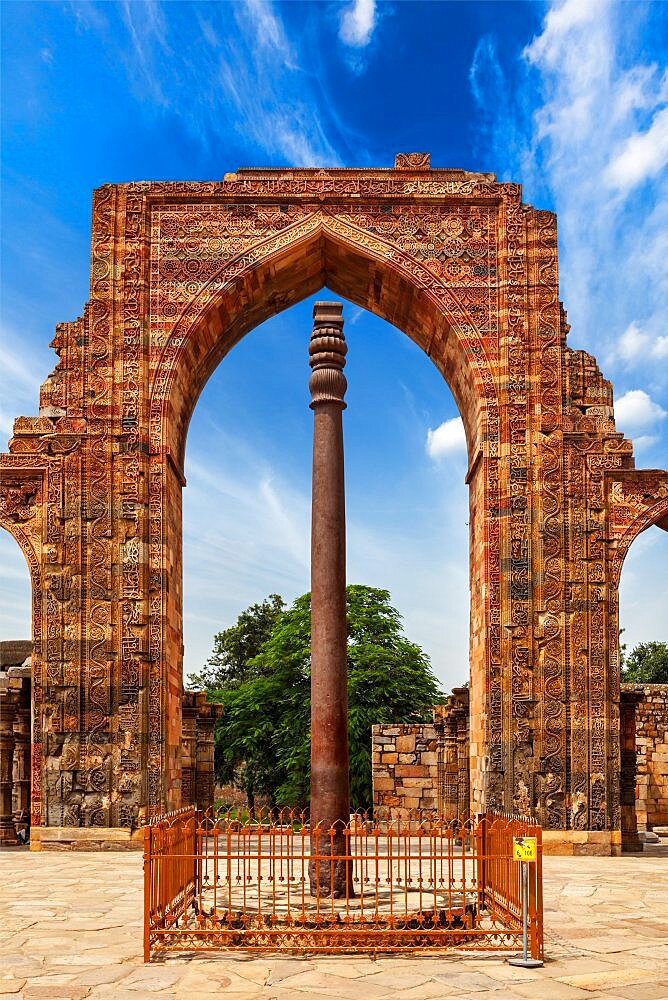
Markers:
(651, 754)
(416, 767)
(405, 766)
(425, 765)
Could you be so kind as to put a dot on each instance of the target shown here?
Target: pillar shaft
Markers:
(8, 706)
(205, 760)
(21, 803)
(330, 804)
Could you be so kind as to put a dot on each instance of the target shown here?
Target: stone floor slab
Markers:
(593, 981)
(72, 929)
(644, 991)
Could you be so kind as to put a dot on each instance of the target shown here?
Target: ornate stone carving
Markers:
(412, 161)
(18, 502)
(91, 488)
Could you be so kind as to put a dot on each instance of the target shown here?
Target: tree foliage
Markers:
(647, 663)
(263, 738)
(233, 649)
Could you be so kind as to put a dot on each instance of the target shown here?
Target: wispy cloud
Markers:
(21, 373)
(225, 68)
(276, 105)
(585, 110)
(635, 346)
(147, 31)
(643, 155)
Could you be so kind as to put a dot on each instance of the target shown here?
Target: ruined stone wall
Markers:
(651, 789)
(425, 765)
(405, 766)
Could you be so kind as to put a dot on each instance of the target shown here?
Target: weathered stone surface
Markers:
(435, 775)
(648, 735)
(91, 487)
(602, 920)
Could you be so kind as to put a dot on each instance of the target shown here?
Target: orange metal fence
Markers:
(418, 882)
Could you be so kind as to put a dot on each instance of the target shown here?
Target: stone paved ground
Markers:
(70, 927)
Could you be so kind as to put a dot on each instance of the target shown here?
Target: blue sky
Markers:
(570, 99)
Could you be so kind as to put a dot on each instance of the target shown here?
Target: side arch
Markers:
(21, 515)
(638, 499)
(281, 271)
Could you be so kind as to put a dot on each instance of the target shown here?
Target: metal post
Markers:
(8, 707)
(524, 961)
(147, 893)
(330, 806)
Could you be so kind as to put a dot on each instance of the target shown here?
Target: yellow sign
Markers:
(525, 848)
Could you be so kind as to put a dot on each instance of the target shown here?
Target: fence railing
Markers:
(502, 874)
(416, 882)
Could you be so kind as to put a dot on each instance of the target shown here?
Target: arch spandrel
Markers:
(321, 249)
(637, 500)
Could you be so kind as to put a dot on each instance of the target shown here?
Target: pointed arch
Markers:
(285, 269)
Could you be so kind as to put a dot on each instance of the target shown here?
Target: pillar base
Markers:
(592, 843)
(85, 838)
(8, 837)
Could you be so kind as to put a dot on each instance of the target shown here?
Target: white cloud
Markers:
(644, 442)
(636, 346)
(636, 410)
(562, 23)
(446, 439)
(660, 348)
(357, 22)
(633, 342)
(643, 155)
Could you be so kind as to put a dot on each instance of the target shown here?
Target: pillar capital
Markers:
(327, 355)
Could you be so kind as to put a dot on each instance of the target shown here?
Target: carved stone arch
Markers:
(321, 249)
(638, 500)
(179, 273)
(22, 516)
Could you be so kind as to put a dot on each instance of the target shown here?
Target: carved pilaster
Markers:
(9, 703)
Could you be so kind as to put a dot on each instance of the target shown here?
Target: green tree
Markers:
(264, 734)
(233, 649)
(647, 663)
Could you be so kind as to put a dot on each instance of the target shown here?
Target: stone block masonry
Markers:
(651, 740)
(424, 765)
